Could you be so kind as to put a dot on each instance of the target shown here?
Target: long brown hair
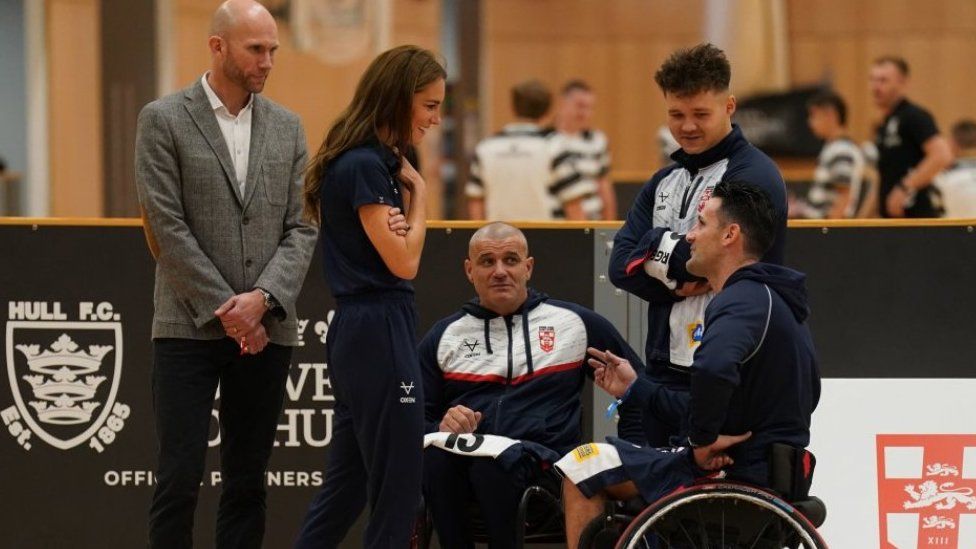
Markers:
(383, 101)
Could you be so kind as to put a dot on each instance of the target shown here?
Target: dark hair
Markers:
(898, 62)
(383, 100)
(831, 99)
(531, 99)
(692, 71)
(575, 85)
(964, 133)
(750, 207)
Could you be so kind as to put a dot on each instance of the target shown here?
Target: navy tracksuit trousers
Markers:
(452, 483)
(377, 442)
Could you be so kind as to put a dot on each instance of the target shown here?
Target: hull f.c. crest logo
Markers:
(927, 491)
(547, 338)
(64, 379)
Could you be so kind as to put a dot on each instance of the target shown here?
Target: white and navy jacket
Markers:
(652, 238)
(524, 372)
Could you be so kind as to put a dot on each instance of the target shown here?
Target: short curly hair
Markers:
(694, 70)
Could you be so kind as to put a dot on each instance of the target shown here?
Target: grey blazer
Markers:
(213, 242)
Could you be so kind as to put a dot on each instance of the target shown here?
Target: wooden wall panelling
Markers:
(841, 38)
(615, 46)
(75, 108)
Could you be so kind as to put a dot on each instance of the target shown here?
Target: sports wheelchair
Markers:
(721, 514)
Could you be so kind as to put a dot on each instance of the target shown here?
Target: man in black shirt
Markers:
(911, 150)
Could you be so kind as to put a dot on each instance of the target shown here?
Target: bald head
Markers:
(243, 40)
(497, 231)
(233, 13)
(499, 266)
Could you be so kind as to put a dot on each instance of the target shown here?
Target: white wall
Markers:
(845, 438)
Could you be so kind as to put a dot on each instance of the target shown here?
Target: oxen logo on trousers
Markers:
(64, 379)
(406, 391)
(926, 486)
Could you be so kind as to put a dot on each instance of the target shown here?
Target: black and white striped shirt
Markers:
(521, 173)
(840, 164)
(589, 151)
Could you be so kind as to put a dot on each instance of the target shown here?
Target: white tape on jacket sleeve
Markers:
(657, 265)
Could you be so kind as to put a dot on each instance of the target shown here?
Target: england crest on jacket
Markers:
(547, 338)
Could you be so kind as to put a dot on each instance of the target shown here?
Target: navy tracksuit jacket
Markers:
(756, 370)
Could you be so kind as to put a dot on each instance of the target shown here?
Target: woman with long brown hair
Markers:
(354, 187)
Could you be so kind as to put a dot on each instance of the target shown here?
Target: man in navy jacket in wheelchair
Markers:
(508, 368)
(754, 379)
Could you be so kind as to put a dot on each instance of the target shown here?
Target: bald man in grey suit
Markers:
(219, 172)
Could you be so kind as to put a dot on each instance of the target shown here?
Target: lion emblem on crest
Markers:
(942, 496)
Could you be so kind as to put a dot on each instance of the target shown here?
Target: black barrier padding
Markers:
(56, 497)
(890, 302)
(79, 496)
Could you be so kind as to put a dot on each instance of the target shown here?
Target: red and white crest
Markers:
(927, 491)
(703, 198)
(547, 338)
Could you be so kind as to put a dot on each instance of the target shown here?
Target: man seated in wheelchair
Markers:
(754, 380)
(507, 368)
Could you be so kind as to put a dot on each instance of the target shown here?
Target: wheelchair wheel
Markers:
(603, 532)
(721, 515)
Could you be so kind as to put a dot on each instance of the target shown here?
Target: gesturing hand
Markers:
(610, 372)
(460, 419)
(410, 177)
(713, 456)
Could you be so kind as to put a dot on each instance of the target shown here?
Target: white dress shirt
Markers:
(235, 129)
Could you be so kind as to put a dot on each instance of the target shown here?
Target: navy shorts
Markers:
(655, 471)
